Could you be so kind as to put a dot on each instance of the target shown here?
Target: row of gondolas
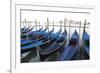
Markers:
(53, 46)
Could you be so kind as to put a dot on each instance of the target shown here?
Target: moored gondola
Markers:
(22, 29)
(45, 53)
(29, 34)
(86, 45)
(71, 49)
(50, 39)
(27, 31)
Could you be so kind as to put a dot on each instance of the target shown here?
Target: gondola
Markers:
(30, 31)
(36, 44)
(26, 31)
(29, 41)
(86, 40)
(71, 49)
(30, 34)
(50, 39)
(39, 34)
(22, 29)
(54, 47)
